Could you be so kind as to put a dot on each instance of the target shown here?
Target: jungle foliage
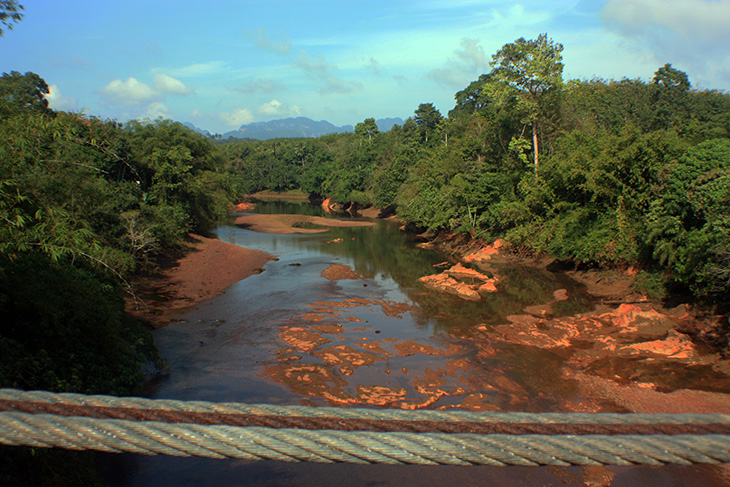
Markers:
(631, 173)
(84, 203)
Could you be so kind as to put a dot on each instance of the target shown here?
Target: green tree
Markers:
(10, 13)
(367, 128)
(527, 71)
(22, 92)
(472, 98)
(688, 223)
(671, 97)
(427, 119)
(669, 77)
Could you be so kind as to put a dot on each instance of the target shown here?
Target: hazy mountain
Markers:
(385, 124)
(191, 126)
(298, 127)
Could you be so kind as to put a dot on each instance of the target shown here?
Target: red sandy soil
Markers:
(207, 268)
(286, 223)
(335, 272)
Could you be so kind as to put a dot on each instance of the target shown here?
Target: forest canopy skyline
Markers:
(237, 62)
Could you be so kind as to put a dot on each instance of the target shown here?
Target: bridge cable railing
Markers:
(358, 435)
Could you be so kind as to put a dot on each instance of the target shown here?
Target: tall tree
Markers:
(427, 119)
(528, 71)
(10, 13)
(367, 128)
(670, 98)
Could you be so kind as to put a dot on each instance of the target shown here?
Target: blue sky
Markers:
(224, 63)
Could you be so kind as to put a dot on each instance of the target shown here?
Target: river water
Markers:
(293, 337)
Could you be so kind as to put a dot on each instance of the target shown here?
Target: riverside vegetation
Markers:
(602, 173)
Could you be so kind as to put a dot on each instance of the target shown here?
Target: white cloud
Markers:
(156, 110)
(693, 35)
(694, 20)
(130, 92)
(468, 64)
(237, 118)
(275, 108)
(135, 92)
(168, 84)
(58, 101)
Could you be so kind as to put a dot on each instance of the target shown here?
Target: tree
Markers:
(368, 128)
(528, 71)
(669, 77)
(10, 13)
(472, 98)
(427, 119)
(670, 98)
(23, 92)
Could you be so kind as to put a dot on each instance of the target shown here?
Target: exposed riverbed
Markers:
(339, 318)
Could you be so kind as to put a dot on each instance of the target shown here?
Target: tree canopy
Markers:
(10, 13)
(526, 72)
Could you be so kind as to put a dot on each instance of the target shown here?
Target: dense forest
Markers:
(600, 173)
(85, 204)
(596, 172)
(605, 173)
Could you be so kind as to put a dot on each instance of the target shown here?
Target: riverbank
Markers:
(626, 354)
(629, 350)
(201, 270)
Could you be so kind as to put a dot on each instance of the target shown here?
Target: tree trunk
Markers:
(535, 146)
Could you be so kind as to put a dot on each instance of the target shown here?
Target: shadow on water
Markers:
(291, 336)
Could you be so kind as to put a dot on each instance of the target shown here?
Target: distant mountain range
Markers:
(202, 131)
(293, 127)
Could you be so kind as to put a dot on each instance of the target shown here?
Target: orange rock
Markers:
(560, 295)
(485, 253)
(460, 272)
(488, 287)
(302, 339)
(379, 395)
(629, 314)
(675, 346)
(445, 283)
(395, 309)
(313, 380)
(343, 354)
(375, 348)
(407, 348)
(243, 207)
(329, 328)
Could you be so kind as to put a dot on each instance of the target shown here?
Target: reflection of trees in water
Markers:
(384, 250)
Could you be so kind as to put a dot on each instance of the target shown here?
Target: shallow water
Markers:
(290, 336)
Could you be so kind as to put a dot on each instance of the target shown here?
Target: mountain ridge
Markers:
(298, 127)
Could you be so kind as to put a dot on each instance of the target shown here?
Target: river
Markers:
(291, 336)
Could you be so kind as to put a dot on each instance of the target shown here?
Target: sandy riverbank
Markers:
(205, 268)
(625, 355)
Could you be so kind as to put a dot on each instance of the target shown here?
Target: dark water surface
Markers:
(415, 350)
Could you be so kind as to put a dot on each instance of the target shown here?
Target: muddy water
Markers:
(291, 336)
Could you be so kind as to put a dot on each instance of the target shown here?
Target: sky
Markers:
(224, 63)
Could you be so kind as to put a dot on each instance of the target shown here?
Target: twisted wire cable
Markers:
(322, 434)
